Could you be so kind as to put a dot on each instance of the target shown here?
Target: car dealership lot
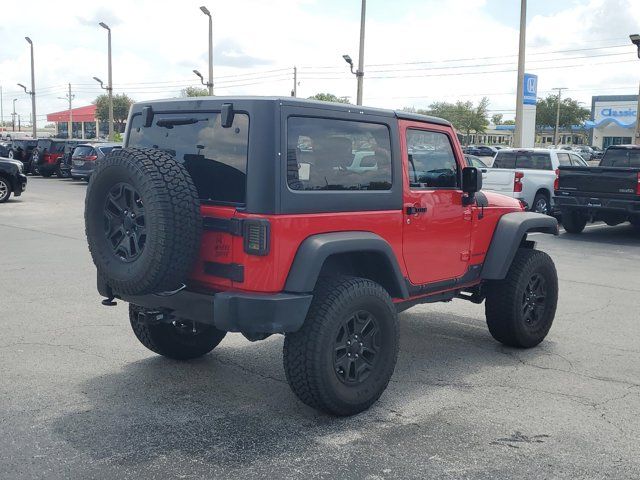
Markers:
(81, 398)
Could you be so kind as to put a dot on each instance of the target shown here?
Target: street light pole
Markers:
(109, 80)
(34, 126)
(555, 135)
(209, 84)
(360, 71)
(517, 134)
(635, 39)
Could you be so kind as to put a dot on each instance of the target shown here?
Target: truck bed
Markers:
(599, 181)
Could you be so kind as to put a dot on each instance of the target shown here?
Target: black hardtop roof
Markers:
(195, 103)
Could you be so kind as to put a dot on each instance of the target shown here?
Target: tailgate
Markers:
(612, 180)
(498, 180)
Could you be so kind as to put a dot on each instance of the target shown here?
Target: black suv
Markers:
(21, 150)
(12, 179)
(85, 156)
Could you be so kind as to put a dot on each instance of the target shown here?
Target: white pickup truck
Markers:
(528, 174)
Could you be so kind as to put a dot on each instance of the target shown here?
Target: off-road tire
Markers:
(5, 189)
(309, 354)
(573, 222)
(504, 306)
(172, 223)
(174, 341)
(635, 222)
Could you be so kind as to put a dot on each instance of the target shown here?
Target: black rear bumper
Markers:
(228, 311)
(594, 205)
(19, 184)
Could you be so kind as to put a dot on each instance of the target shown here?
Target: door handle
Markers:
(413, 210)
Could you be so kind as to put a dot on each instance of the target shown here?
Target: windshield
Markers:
(216, 157)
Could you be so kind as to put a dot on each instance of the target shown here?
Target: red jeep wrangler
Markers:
(316, 220)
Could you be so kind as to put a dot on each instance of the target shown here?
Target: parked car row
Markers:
(49, 156)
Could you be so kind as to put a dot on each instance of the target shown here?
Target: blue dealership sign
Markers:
(530, 89)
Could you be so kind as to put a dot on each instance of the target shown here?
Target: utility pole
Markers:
(294, 92)
(69, 96)
(110, 80)
(206, 11)
(517, 134)
(34, 126)
(555, 135)
(13, 116)
(360, 71)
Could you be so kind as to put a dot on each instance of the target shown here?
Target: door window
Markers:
(563, 159)
(432, 163)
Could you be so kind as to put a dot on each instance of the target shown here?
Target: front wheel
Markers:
(520, 309)
(179, 340)
(343, 357)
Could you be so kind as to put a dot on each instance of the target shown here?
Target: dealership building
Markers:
(613, 120)
(85, 123)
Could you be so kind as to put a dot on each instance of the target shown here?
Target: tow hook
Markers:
(108, 302)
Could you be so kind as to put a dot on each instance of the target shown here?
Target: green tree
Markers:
(121, 105)
(194, 92)
(509, 122)
(329, 97)
(464, 116)
(496, 119)
(571, 113)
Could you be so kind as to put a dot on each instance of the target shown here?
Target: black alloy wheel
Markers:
(534, 302)
(124, 222)
(356, 347)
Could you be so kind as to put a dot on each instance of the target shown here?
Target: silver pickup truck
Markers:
(529, 175)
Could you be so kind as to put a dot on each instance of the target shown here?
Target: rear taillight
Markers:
(556, 182)
(256, 236)
(638, 185)
(91, 158)
(517, 181)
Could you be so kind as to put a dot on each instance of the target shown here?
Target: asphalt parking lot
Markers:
(81, 398)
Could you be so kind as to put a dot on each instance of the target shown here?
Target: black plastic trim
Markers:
(511, 230)
(230, 271)
(472, 274)
(226, 225)
(314, 250)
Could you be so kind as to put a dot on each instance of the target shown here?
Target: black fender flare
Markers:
(314, 250)
(507, 238)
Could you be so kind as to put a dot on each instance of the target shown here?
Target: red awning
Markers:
(80, 114)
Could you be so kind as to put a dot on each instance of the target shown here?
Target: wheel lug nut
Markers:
(348, 354)
(356, 355)
(348, 342)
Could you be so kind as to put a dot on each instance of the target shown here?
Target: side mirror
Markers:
(226, 114)
(471, 180)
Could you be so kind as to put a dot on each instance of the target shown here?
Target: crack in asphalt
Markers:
(35, 230)
(54, 345)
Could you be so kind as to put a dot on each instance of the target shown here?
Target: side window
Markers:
(329, 154)
(533, 161)
(578, 160)
(432, 163)
(563, 159)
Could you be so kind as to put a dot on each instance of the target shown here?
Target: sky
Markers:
(416, 52)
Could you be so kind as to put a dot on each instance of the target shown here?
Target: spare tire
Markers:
(142, 221)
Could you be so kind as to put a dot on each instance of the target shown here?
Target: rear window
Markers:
(523, 160)
(215, 157)
(618, 157)
(83, 151)
(106, 150)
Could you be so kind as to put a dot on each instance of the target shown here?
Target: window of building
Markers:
(432, 163)
(330, 154)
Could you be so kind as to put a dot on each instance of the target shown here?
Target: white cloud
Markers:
(156, 45)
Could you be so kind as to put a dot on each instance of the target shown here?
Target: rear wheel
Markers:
(573, 222)
(180, 340)
(541, 203)
(343, 357)
(5, 189)
(520, 309)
